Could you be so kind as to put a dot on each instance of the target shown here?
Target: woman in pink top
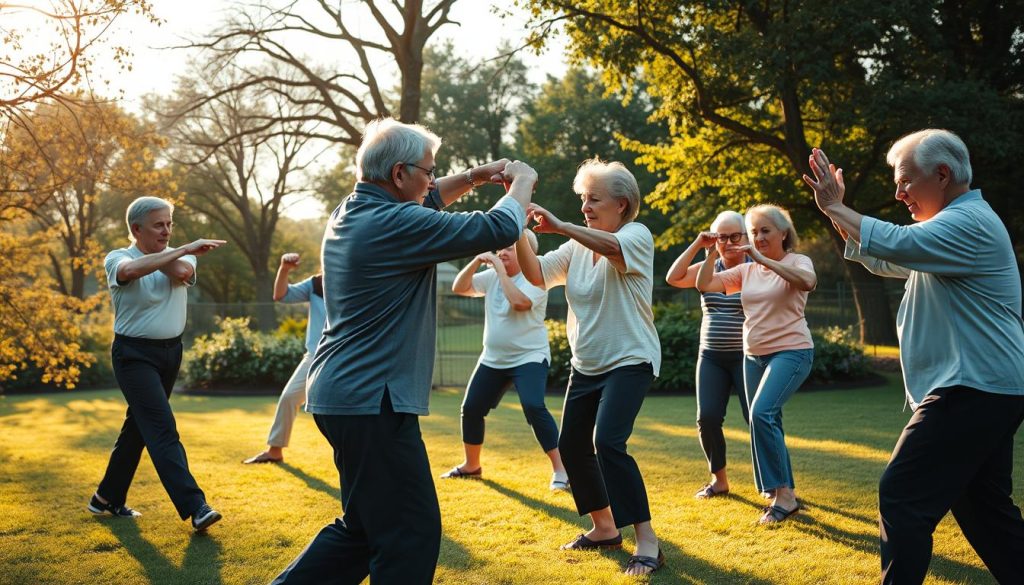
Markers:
(776, 342)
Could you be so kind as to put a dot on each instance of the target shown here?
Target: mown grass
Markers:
(505, 529)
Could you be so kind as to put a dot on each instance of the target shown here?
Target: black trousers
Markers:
(597, 420)
(391, 527)
(955, 454)
(146, 370)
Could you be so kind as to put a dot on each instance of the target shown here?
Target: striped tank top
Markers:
(721, 329)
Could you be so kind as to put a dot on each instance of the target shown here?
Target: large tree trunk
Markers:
(266, 315)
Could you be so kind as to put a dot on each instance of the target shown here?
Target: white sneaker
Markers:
(559, 482)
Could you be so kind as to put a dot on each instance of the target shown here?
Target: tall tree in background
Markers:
(473, 105)
(572, 120)
(747, 89)
(246, 153)
(39, 325)
(343, 100)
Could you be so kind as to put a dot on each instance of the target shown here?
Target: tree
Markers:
(84, 160)
(39, 324)
(473, 106)
(342, 100)
(245, 151)
(572, 120)
(747, 89)
(74, 31)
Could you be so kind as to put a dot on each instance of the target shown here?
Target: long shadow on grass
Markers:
(684, 568)
(201, 564)
(806, 522)
(313, 482)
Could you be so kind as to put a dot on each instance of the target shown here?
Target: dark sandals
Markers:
(457, 473)
(651, 563)
(708, 491)
(776, 514)
(581, 542)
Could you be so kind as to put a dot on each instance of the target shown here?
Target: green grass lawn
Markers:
(505, 529)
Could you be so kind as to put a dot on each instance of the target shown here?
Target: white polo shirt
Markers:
(512, 338)
(152, 307)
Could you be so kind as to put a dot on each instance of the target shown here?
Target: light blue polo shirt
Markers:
(152, 307)
(960, 319)
(302, 292)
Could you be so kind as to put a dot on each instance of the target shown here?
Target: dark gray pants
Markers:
(391, 527)
(955, 454)
(719, 376)
(488, 385)
(597, 420)
(146, 370)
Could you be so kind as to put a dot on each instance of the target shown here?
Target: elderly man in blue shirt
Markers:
(962, 352)
(370, 377)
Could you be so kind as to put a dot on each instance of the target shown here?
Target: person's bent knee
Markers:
(606, 444)
(710, 422)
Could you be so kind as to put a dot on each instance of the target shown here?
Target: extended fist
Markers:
(289, 260)
(518, 170)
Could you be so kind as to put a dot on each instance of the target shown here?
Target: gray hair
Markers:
(780, 219)
(727, 216)
(934, 147)
(621, 183)
(387, 142)
(142, 207)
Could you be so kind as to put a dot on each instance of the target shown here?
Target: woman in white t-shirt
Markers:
(776, 342)
(607, 268)
(516, 353)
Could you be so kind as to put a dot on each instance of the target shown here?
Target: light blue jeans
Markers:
(769, 381)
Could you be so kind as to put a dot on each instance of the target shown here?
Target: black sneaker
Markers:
(204, 518)
(98, 507)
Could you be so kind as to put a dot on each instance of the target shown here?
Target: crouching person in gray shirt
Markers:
(370, 377)
(148, 284)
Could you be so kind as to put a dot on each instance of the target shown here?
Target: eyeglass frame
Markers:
(733, 238)
(429, 172)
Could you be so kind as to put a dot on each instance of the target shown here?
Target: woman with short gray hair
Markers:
(607, 268)
(720, 356)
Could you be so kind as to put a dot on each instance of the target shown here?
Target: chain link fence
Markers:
(460, 320)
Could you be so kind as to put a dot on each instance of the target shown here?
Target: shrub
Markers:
(293, 327)
(558, 374)
(837, 356)
(236, 356)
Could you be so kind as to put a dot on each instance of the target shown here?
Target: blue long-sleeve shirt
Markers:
(959, 322)
(380, 289)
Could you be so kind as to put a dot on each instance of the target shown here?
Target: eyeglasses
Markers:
(733, 238)
(429, 172)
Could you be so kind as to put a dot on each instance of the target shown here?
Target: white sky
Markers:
(154, 67)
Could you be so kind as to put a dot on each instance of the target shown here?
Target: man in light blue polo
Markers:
(370, 377)
(962, 352)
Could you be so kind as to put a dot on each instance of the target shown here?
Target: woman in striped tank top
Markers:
(720, 359)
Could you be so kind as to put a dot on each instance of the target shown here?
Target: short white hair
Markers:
(934, 147)
(142, 207)
(780, 219)
(387, 142)
(615, 177)
(727, 216)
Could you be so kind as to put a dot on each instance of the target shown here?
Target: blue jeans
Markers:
(769, 381)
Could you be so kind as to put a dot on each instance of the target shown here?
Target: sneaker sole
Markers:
(207, 521)
(96, 511)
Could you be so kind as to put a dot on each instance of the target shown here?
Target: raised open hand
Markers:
(828, 184)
